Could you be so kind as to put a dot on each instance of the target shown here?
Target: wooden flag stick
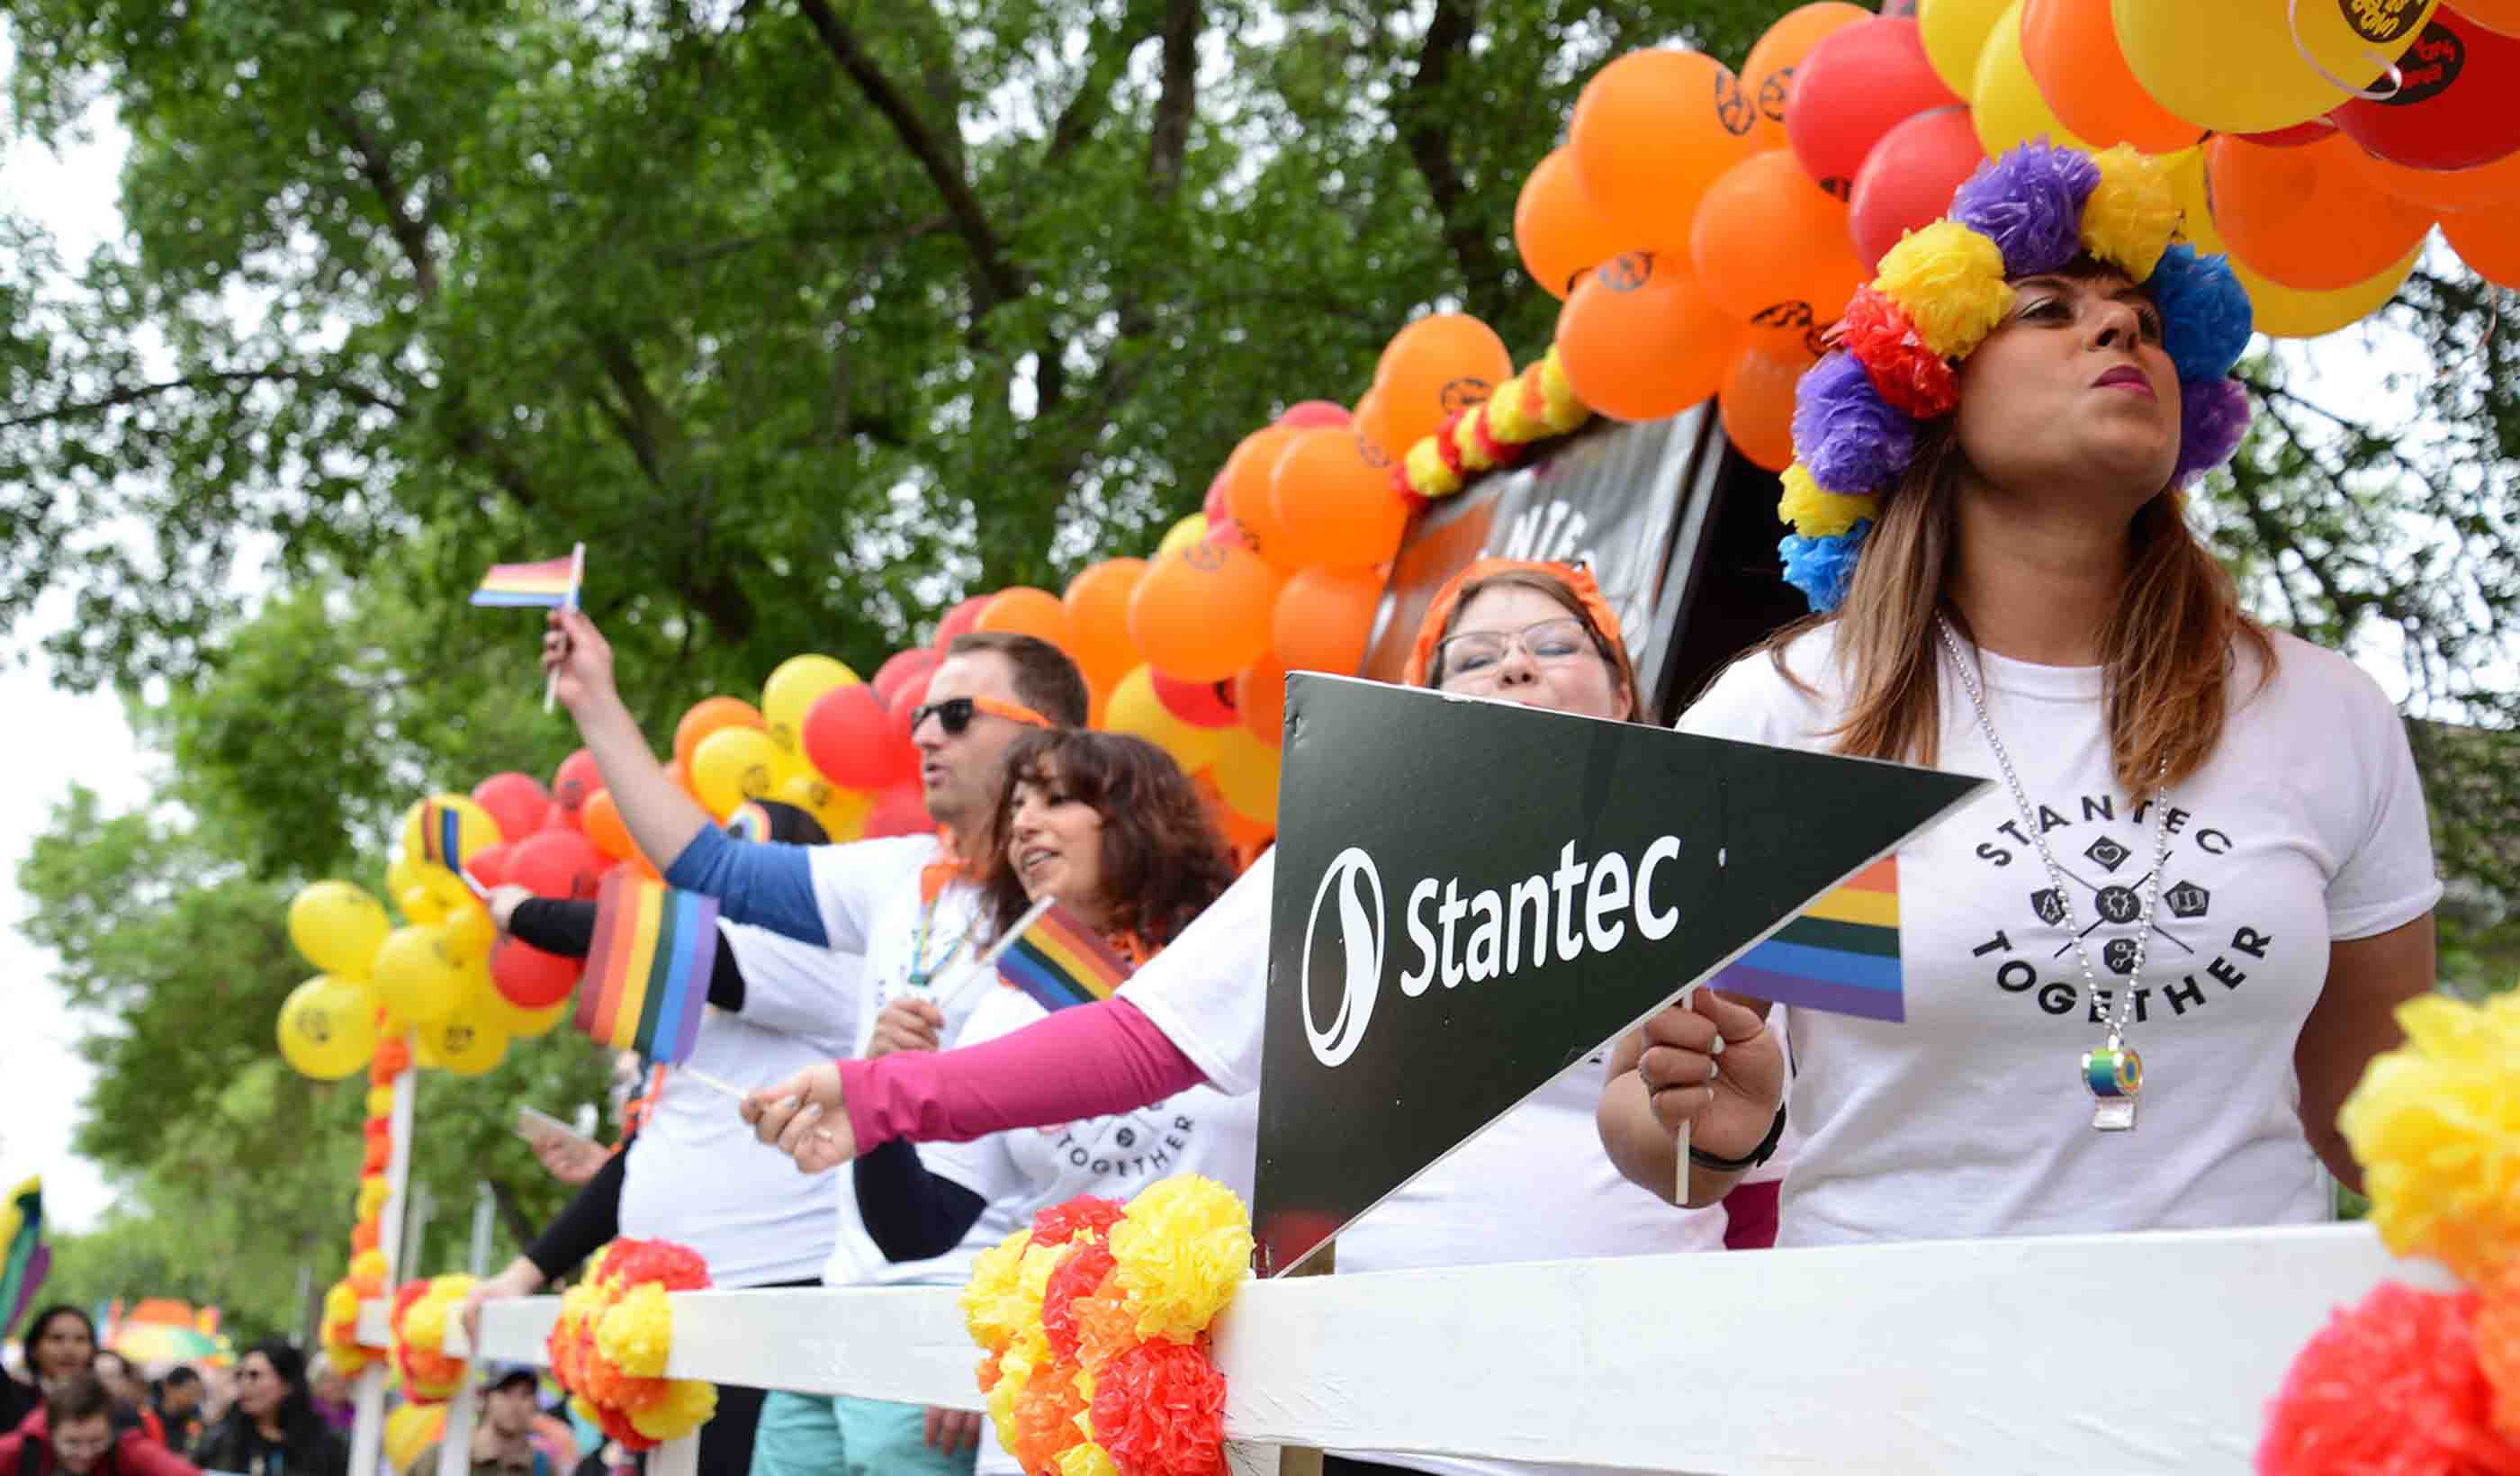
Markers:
(576, 577)
(723, 1088)
(980, 967)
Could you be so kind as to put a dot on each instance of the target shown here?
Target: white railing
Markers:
(2101, 1353)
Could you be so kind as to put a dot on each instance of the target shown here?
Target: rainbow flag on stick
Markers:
(25, 1258)
(1061, 961)
(547, 585)
(1840, 955)
(648, 974)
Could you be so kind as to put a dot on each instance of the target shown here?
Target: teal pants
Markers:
(822, 1435)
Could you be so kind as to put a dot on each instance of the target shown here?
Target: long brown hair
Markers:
(1612, 649)
(2166, 648)
(1162, 860)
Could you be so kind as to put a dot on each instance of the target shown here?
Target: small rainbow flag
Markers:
(1841, 955)
(441, 836)
(25, 1258)
(551, 583)
(1061, 961)
(648, 974)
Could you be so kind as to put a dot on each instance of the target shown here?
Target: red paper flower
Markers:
(1086, 1214)
(678, 1268)
(616, 1426)
(1081, 1275)
(376, 1129)
(2391, 1386)
(2498, 1346)
(392, 1058)
(1909, 374)
(374, 1160)
(1046, 1411)
(989, 1371)
(607, 1385)
(1159, 1410)
(362, 1236)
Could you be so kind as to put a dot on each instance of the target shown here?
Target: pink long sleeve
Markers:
(1090, 1061)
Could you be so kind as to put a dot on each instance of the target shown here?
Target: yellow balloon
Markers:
(468, 933)
(842, 813)
(463, 1047)
(401, 876)
(328, 1028)
(2285, 312)
(1247, 775)
(474, 831)
(337, 926)
(1182, 535)
(731, 766)
(1954, 32)
(2236, 66)
(2187, 173)
(517, 1022)
(1135, 708)
(795, 686)
(416, 976)
(2006, 105)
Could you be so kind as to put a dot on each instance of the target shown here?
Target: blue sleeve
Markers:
(766, 883)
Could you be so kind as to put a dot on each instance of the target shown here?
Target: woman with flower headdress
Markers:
(2203, 882)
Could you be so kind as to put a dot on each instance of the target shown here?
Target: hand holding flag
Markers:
(552, 584)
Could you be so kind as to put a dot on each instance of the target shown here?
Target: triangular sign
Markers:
(1472, 896)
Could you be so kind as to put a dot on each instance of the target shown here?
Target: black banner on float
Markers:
(1473, 895)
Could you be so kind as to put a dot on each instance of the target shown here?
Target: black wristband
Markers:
(1766, 1150)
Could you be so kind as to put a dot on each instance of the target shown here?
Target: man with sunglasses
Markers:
(902, 904)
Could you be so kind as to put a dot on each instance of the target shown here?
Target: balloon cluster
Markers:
(422, 1310)
(2436, 1126)
(340, 1332)
(609, 1346)
(1094, 1329)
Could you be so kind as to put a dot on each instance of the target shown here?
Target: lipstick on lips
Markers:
(2126, 376)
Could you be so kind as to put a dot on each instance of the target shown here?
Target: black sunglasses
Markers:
(955, 714)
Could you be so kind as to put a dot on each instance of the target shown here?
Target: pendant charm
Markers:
(2115, 1075)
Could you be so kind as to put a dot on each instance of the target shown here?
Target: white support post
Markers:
(676, 1457)
(368, 1432)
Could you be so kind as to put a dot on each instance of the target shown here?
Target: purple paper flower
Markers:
(2205, 315)
(1849, 439)
(2213, 416)
(2029, 202)
(1822, 567)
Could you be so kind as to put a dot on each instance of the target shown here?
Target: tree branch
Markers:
(1429, 137)
(1177, 101)
(134, 394)
(376, 165)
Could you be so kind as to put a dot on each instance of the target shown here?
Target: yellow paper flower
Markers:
(1085, 1391)
(687, 1406)
(994, 1274)
(2132, 211)
(1817, 512)
(1466, 440)
(1181, 1252)
(380, 1102)
(1429, 476)
(1949, 279)
(372, 1192)
(637, 1332)
(1087, 1459)
(367, 1265)
(341, 1303)
(1508, 425)
(2436, 1126)
(1562, 409)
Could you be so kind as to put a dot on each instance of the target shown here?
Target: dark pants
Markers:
(726, 1441)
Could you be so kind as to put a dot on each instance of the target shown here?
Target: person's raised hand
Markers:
(502, 903)
(579, 660)
(1713, 1066)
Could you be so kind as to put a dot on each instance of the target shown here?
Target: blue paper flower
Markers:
(1822, 567)
(2205, 314)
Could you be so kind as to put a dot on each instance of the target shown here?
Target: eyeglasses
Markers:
(955, 714)
(1478, 652)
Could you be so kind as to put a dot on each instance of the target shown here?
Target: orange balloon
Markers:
(1247, 473)
(602, 821)
(707, 716)
(2071, 47)
(1768, 73)
(1651, 131)
(1322, 619)
(1438, 365)
(2479, 188)
(1260, 698)
(1096, 607)
(1023, 610)
(1202, 613)
(2502, 16)
(2488, 241)
(1560, 233)
(1773, 248)
(1334, 506)
(1757, 400)
(1640, 341)
(2303, 217)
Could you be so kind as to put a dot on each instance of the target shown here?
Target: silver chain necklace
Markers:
(2114, 1073)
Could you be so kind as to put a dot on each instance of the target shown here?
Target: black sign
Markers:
(1472, 896)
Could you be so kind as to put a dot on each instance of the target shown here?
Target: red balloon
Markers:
(1908, 180)
(902, 811)
(2453, 107)
(899, 667)
(2294, 137)
(848, 739)
(1314, 415)
(576, 778)
(518, 802)
(560, 864)
(488, 866)
(902, 714)
(1858, 85)
(530, 978)
(960, 620)
(1201, 704)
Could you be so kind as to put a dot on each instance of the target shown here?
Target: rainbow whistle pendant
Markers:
(2115, 1075)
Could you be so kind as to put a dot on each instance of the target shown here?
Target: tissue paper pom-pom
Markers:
(1046, 1416)
(1470, 448)
(1822, 567)
(1087, 1459)
(637, 1332)
(2205, 313)
(367, 1273)
(1948, 281)
(1909, 376)
(1107, 1325)
(1159, 1409)
(1081, 1275)
(2436, 1126)
(341, 1303)
(377, 1154)
(376, 1129)
(2389, 1386)
(987, 1371)
(1848, 438)
(613, 1389)
(379, 1100)
(616, 1425)
(1817, 513)
(2213, 416)
(1182, 1252)
(2496, 1328)
(373, 1193)
(993, 1275)
(363, 1235)
(2133, 213)
(1090, 1215)
(1428, 475)
(1508, 419)
(393, 1059)
(2030, 204)
(1560, 409)
(687, 1405)
(676, 1268)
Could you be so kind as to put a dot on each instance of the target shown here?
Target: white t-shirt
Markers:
(1971, 1119)
(693, 1174)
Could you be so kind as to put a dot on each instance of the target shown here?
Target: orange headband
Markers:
(1577, 579)
(1013, 712)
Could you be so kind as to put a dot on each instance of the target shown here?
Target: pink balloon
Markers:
(848, 737)
(1860, 83)
(518, 802)
(961, 619)
(1309, 414)
(902, 811)
(488, 866)
(1908, 180)
(898, 669)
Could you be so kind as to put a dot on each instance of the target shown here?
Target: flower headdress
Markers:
(1942, 290)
